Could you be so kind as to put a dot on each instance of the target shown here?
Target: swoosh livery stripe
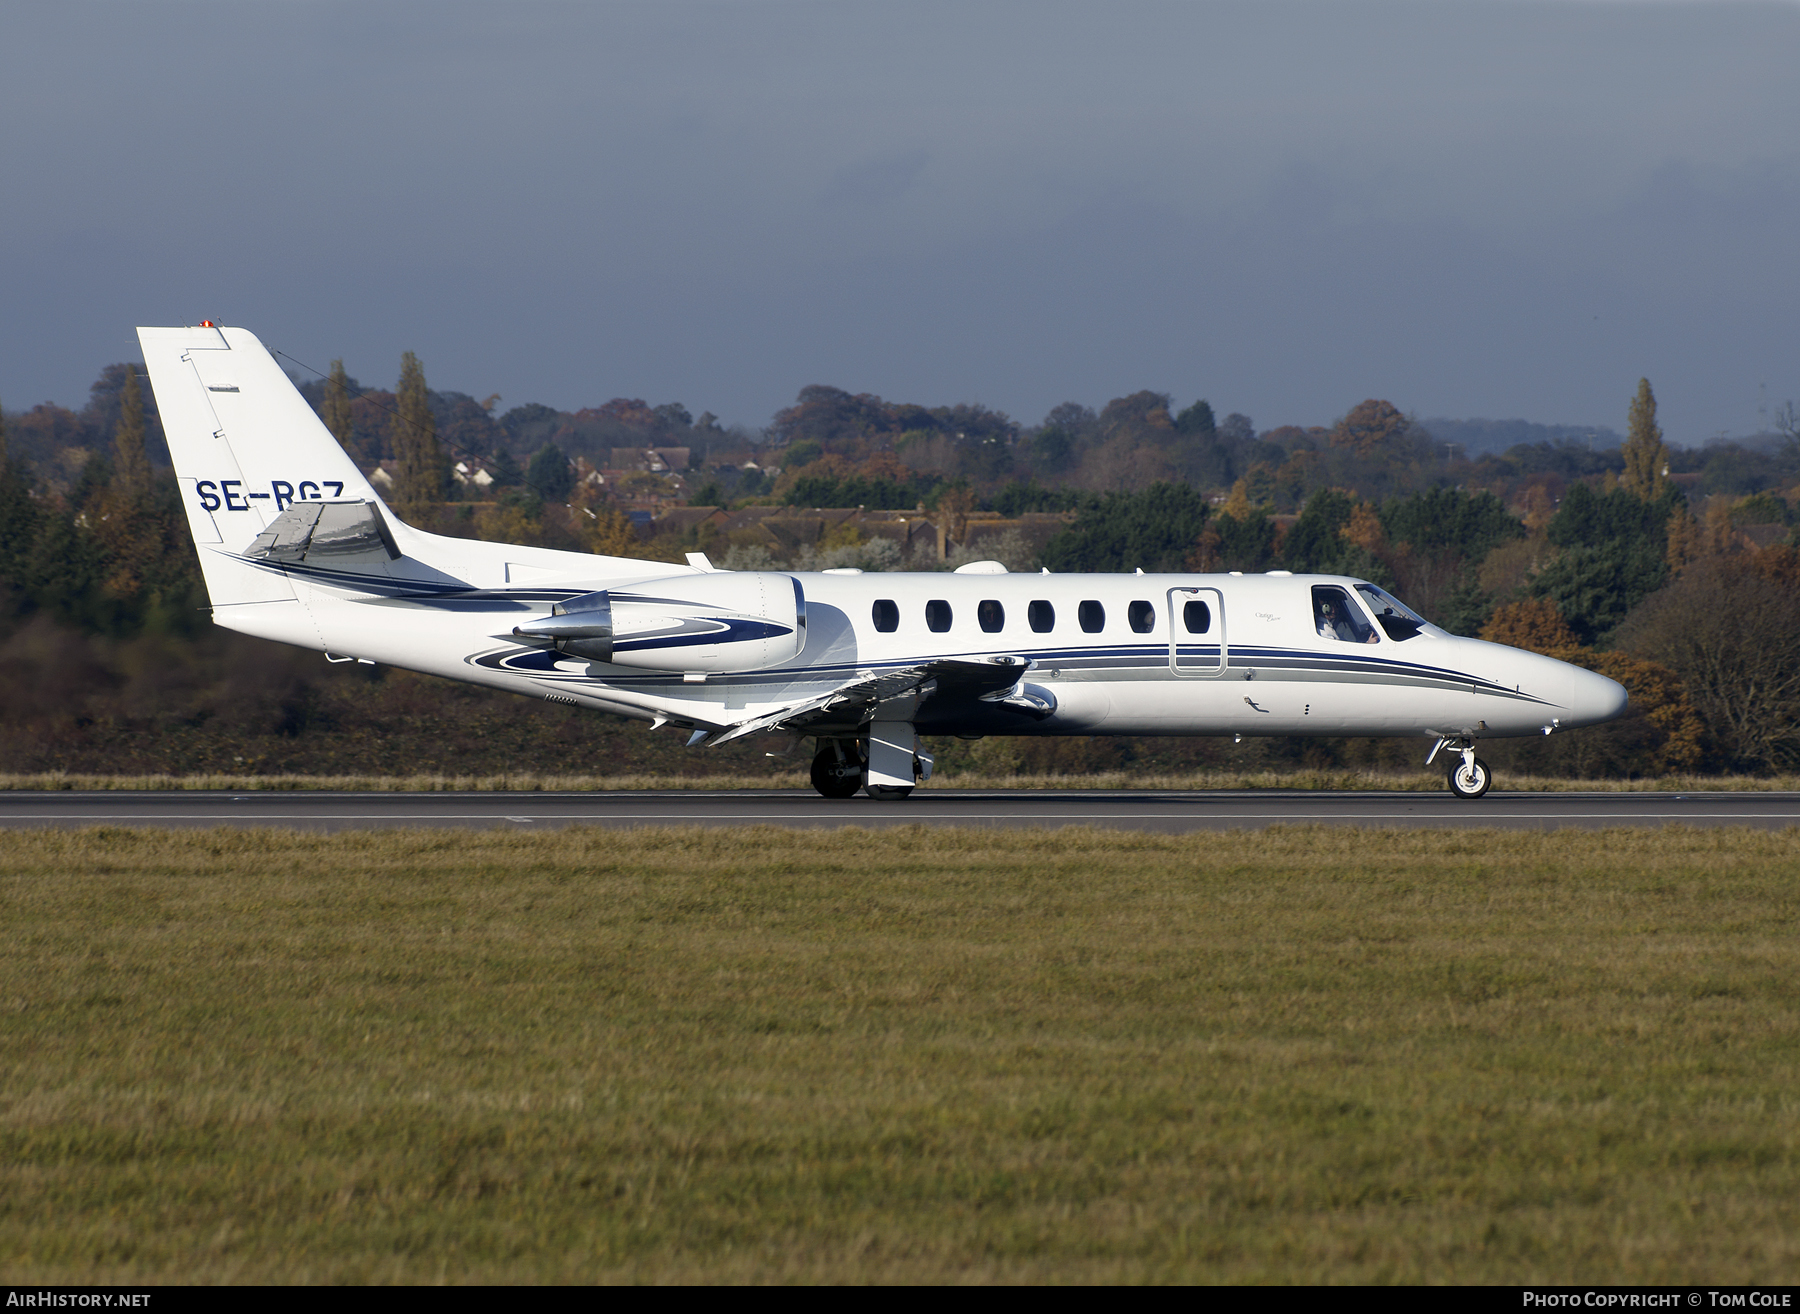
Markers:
(448, 597)
(1325, 668)
(726, 630)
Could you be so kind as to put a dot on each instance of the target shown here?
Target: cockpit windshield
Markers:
(1399, 621)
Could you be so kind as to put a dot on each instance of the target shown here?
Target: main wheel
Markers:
(836, 777)
(887, 793)
(1470, 781)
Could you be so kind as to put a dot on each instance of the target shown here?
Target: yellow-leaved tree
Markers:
(1646, 456)
(1656, 691)
(420, 479)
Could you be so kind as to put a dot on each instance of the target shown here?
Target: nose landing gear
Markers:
(1469, 775)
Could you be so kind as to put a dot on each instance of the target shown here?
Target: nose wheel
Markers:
(1470, 777)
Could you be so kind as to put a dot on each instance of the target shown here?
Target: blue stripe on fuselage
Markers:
(1134, 658)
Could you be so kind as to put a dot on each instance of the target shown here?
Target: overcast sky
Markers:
(1493, 208)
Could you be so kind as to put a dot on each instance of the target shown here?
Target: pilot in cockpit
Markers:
(1335, 622)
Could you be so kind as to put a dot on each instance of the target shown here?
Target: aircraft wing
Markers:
(856, 701)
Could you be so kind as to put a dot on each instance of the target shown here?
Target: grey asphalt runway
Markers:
(1146, 810)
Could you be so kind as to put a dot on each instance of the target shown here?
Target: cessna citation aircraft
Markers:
(297, 547)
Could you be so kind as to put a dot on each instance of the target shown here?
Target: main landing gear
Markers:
(837, 773)
(843, 766)
(1469, 775)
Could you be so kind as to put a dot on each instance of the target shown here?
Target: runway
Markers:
(1136, 810)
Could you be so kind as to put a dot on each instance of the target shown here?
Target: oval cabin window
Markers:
(1042, 617)
(1197, 616)
(1142, 617)
(1092, 616)
(990, 615)
(887, 615)
(937, 616)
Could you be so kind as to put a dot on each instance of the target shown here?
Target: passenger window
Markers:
(1197, 616)
(887, 615)
(937, 616)
(1142, 617)
(1042, 617)
(1336, 617)
(990, 615)
(1092, 617)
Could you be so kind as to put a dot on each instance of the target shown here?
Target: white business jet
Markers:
(296, 546)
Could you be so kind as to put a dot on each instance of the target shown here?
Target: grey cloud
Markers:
(1479, 208)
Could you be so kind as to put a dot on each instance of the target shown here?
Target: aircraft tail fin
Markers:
(251, 458)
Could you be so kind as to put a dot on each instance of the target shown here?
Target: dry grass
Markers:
(1429, 782)
(1303, 1054)
(519, 782)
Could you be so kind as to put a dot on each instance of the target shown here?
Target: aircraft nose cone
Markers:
(1593, 698)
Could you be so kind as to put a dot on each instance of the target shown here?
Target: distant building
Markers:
(472, 473)
(657, 460)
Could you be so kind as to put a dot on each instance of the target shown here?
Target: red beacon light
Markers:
(207, 323)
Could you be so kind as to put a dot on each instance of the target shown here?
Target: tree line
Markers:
(1673, 571)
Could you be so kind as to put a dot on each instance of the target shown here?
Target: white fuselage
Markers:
(1123, 664)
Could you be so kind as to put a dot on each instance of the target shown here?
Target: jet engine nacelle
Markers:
(727, 621)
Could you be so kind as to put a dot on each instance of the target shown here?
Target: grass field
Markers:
(1302, 1054)
(528, 782)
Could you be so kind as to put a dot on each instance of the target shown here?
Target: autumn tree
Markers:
(1534, 624)
(953, 506)
(1141, 414)
(1663, 730)
(131, 467)
(1646, 457)
(1369, 426)
(835, 419)
(1685, 538)
(421, 476)
(610, 533)
(1731, 631)
(336, 410)
(1363, 530)
(880, 482)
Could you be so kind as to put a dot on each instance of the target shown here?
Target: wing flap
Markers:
(859, 698)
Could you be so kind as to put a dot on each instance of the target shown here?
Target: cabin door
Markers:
(1197, 647)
